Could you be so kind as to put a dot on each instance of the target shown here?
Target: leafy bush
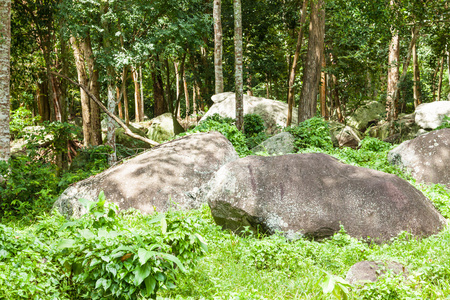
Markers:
(374, 144)
(21, 118)
(313, 132)
(28, 186)
(445, 123)
(103, 255)
(253, 125)
(225, 126)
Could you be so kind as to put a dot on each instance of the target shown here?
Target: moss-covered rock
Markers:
(163, 128)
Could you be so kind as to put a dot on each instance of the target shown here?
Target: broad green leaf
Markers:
(141, 273)
(150, 284)
(163, 225)
(202, 242)
(328, 284)
(156, 219)
(87, 234)
(144, 255)
(66, 243)
(173, 259)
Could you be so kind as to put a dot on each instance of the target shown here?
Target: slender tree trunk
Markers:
(323, 91)
(311, 76)
(125, 94)
(83, 80)
(293, 72)
(186, 95)
(141, 90)
(180, 71)
(168, 89)
(239, 80)
(337, 102)
(440, 79)
(63, 84)
(94, 87)
(158, 92)
(218, 47)
(393, 74)
(194, 104)
(5, 45)
(249, 83)
(448, 69)
(137, 95)
(119, 102)
(176, 111)
(416, 76)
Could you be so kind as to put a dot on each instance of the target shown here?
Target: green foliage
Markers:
(21, 118)
(374, 145)
(29, 185)
(103, 255)
(226, 127)
(253, 125)
(313, 132)
(445, 123)
(336, 286)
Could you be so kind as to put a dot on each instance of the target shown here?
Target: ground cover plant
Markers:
(184, 255)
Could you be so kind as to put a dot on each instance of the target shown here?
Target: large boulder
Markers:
(313, 195)
(281, 143)
(168, 176)
(405, 128)
(427, 157)
(163, 127)
(365, 114)
(430, 115)
(274, 113)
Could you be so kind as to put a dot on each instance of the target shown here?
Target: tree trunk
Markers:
(293, 72)
(311, 76)
(448, 69)
(168, 89)
(393, 74)
(137, 95)
(218, 47)
(5, 45)
(239, 80)
(119, 102)
(440, 79)
(125, 94)
(158, 92)
(94, 87)
(323, 91)
(141, 89)
(43, 103)
(85, 101)
(186, 95)
(176, 110)
(416, 76)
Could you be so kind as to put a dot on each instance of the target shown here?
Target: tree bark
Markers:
(125, 94)
(94, 87)
(238, 58)
(293, 72)
(393, 74)
(137, 95)
(218, 47)
(311, 76)
(323, 91)
(416, 75)
(186, 95)
(440, 79)
(5, 46)
(158, 91)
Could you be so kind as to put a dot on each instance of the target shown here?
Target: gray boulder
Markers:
(348, 137)
(273, 112)
(360, 119)
(313, 195)
(281, 143)
(430, 115)
(369, 271)
(163, 127)
(168, 176)
(427, 157)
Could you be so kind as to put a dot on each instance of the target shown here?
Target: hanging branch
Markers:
(119, 121)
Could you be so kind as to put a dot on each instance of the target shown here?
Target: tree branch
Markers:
(100, 104)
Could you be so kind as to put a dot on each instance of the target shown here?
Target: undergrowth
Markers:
(111, 255)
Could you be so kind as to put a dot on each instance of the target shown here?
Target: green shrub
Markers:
(224, 126)
(313, 132)
(445, 123)
(374, 144)
(253, 125)
(21, 118)
(108, 260)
